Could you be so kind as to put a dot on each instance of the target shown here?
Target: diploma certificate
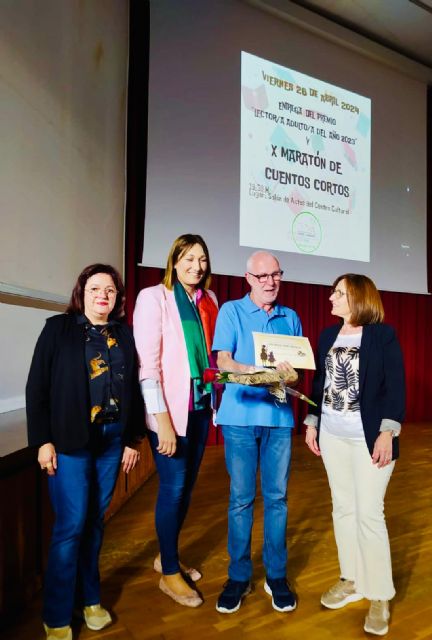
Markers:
(273, 348)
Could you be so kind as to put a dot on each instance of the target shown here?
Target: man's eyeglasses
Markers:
(337, 293)
(97, 291)
(263, 277)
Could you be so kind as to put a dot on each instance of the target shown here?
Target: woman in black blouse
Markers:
(84, 413)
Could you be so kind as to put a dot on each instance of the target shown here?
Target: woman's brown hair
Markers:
(76, 303)
(179, 247)
(363, 298)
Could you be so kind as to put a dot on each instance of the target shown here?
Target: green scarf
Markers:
(195, 345)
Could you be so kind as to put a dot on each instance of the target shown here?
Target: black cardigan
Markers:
(57, 391)
(381, 379)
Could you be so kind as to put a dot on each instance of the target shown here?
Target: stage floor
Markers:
(141, 611)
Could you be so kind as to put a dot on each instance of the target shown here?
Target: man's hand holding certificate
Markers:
(272, 352)
(273, 349)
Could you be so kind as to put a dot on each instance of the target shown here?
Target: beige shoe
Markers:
(193, 574)
(193, 600)
(376, 621)
(58, 633)
(340, 594)
(96, 617)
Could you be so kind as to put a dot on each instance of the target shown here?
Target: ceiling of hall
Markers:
(405, 26)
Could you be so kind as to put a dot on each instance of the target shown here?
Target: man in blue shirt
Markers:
(257, 430)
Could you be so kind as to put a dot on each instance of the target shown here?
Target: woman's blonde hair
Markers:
(179, 247)
(363, 298)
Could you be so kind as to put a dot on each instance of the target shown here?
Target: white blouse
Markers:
(341, 406)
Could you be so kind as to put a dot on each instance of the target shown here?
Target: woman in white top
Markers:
(360, 394)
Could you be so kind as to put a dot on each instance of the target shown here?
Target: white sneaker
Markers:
(376, 621)
(340, 594)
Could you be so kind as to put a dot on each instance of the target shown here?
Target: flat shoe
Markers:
(192, 573)
(186, 601)
(58, 633)
(96, 617)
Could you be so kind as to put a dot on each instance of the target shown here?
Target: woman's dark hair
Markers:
(76, 303)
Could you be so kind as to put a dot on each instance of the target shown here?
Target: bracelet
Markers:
(310, 426)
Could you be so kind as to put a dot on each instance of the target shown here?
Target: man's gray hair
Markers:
(259, 253)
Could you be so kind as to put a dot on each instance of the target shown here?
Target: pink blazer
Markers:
(162, 352)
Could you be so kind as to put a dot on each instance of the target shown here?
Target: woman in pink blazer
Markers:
(173, 326)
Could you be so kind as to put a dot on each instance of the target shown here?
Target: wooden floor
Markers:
(141, 611)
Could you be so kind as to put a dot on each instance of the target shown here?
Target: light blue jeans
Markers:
(245, 449)
(80, 493)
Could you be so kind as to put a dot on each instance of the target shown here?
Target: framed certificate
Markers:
(273, 348)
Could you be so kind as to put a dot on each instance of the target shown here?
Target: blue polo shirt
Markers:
(242, 405)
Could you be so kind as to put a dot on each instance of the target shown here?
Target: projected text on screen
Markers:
(305, 164)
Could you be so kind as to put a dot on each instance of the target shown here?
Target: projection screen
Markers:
(196, 100)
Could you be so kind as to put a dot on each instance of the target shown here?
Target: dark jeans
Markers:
(80, 493)
(177, 477)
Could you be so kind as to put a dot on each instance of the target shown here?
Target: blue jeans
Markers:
(80, 493)
(177, 477)
(245, 448)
